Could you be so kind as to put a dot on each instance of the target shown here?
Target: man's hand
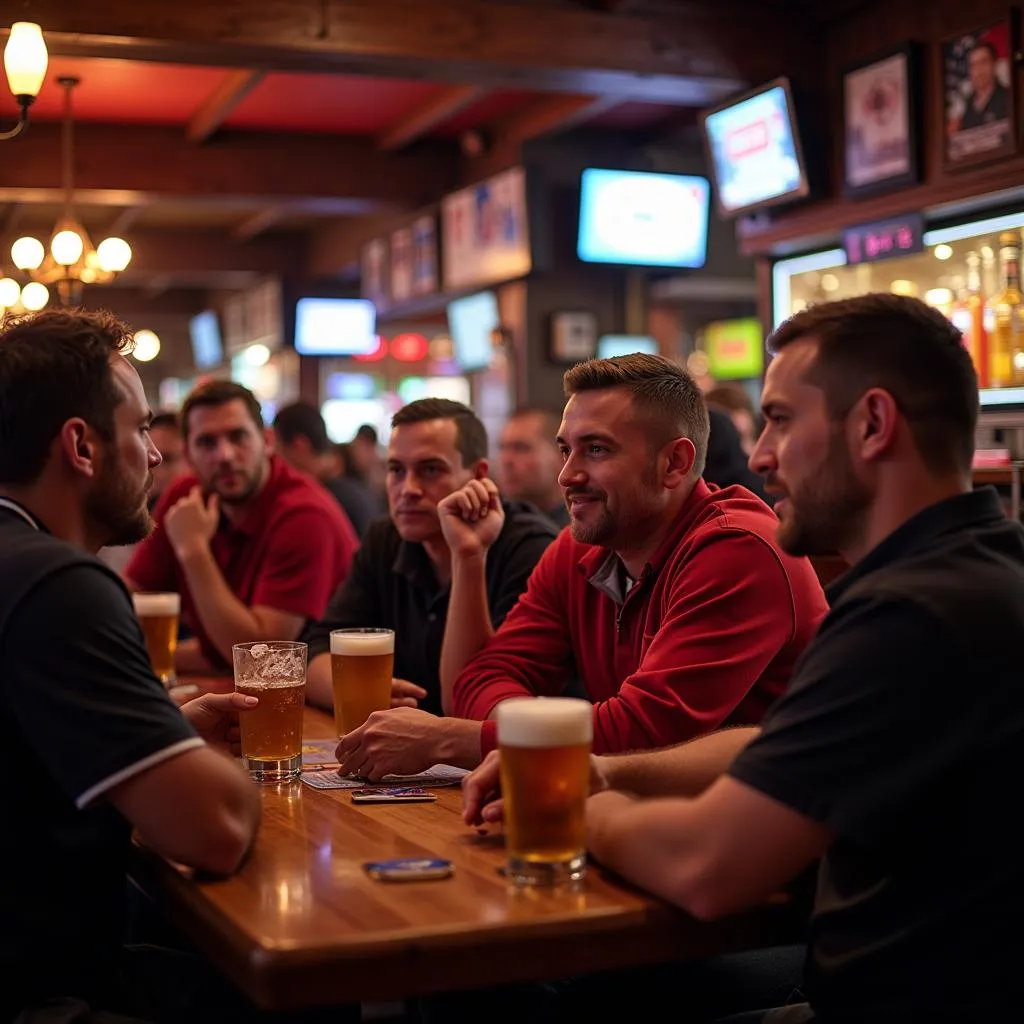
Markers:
(482, 803)
(405, 694)
(191, 522)
(471, 518)
(215, 717)
(402, 741)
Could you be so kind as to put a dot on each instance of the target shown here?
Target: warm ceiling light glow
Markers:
(938, 296)
(34, 296)
(147, 346)
(10, 292)
(257, 355)
(114, 254)
(25, 59)
(943, 252)
(829, 283)
(903, 287)
(27, 253)
(66, 247)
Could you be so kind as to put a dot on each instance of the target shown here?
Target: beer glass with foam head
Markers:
(271, 733)
(545, 779)
(362, 664)
(158, 616)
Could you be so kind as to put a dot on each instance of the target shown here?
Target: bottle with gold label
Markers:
(1006, 345)
(976, 308)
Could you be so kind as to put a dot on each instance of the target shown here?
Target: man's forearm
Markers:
(684, 770)
(459, 742)
(468, 626)
(226, 620)
(319, 686)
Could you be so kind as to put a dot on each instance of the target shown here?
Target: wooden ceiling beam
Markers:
(255, 224)
(692, 57)
(124, 220)
(424, 119)
(222, 103)
(548, 115)
(342, 175)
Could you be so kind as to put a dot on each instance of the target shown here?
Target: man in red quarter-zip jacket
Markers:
(668, 599)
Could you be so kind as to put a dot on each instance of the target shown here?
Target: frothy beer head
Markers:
(545, 722)
(157, 604)
(355, 644)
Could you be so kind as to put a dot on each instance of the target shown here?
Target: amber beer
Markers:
(545, 780)
(158, 616)
(271, 733)
(362, 664)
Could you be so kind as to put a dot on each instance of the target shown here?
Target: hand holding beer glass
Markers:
(158, 615)
(275, 672)
(545, 781)
(362, 664)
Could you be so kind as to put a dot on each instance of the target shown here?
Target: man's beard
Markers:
(825, 513)
(631, 524)
(116, 507)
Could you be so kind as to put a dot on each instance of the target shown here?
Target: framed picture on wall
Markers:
(572, 336)
(979, 83)
(881, 107)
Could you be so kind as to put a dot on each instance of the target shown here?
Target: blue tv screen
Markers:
(635, 218)
(335, 327)
(204, 333)
(471, 322)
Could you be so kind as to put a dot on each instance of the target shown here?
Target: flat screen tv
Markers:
(207, 347)
(611, 345)
(641, 219)
(754, 149)
(471, 322)
(335, 327)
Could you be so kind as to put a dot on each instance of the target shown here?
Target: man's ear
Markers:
(678, 458)
(79, 445)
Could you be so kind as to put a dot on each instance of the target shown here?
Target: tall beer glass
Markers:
(545, 780)
(362, 664)
(158, 616)
(275, 672)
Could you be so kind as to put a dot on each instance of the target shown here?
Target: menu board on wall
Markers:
(424, 255)
(484, 232)
(401, 265)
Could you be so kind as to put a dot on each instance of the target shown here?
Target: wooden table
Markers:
(302, 924)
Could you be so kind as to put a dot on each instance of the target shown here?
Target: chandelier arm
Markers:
(24, 102)
(68, 144)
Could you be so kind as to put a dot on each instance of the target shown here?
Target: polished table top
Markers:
(303, 924)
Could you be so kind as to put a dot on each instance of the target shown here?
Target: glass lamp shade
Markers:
(114, 255)
(147, 345)
(10, 292)
(66, 247)
(27, 253)
(25, 59)
(34, 296)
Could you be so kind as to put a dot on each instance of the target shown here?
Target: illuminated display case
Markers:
(969, 271)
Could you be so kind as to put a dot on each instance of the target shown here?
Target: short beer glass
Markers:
(271, 733)
(362, 664)
(158, 615)
(545, 779)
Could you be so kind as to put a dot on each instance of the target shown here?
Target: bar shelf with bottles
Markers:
(969, 271)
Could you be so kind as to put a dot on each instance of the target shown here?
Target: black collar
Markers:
(951, 515)
(10, 505)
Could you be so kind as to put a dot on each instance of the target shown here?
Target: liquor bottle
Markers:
(976, 307)
(1006, 345)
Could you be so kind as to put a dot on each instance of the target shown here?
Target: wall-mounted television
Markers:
(754, 149)
(207, 347)
(636, 218)
(335, 327)
(471, 323)
(611, 345)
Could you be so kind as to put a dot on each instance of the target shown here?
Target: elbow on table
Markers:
(702, 891)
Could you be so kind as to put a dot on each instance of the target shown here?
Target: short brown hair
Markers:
(905, 347)
(550, 419)
(664, 393)
(219, 392)
(55, 366)
(470, 435)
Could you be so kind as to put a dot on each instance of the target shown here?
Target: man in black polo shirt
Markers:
(93, 744)
(400, 576)
(895, 755)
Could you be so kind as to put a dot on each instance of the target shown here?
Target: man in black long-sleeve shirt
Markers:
(400, 576)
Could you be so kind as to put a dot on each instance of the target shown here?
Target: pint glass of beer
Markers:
(545, 780)
(275, 672)
(158, 616)
(362, 664)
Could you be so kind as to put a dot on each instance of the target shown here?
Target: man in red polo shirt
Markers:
(254, 547)
(669, 599)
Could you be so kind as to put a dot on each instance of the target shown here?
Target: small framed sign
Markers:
(573, 336)
(881, 107)
(881, 240)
